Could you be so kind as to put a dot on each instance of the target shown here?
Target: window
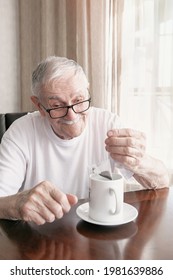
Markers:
(146, 88)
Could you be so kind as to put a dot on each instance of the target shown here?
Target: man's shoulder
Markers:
(23, 126)
(102, 113)
(27, 119)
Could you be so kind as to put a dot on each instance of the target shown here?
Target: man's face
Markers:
(65, 92)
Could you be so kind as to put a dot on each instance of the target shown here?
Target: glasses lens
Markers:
(58, 113)
(81, 107)
(77, 108)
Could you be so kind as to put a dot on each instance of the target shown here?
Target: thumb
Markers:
(72, 199)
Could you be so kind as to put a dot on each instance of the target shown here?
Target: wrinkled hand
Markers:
(126, 146)
(43, 203)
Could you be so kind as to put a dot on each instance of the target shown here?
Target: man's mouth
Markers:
(71, 122)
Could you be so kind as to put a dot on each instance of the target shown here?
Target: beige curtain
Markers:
(85, 31)
(10, 98)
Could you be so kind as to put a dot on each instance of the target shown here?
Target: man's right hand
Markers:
(41, 204)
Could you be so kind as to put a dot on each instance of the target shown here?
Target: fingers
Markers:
(127, 146)
(125, 150)
(125, 132)
(44, 203)
(72, 199)
(125, 142)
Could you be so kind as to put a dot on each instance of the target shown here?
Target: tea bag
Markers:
(101, 167)
(112, 166)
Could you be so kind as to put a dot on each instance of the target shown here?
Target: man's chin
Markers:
(73, 132)
(69, 131)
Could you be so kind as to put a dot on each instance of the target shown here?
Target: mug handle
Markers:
(117, 209)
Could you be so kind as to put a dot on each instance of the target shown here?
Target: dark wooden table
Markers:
(149, 236)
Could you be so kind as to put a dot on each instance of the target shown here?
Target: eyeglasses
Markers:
(62, 111)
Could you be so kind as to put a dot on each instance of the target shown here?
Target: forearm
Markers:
(152, 174)
(7, 208)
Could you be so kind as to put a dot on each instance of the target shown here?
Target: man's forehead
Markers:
(66, 83)
(54, 96)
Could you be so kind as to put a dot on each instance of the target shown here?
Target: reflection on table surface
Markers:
(146, 237)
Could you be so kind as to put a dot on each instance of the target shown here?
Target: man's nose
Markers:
(71, 115)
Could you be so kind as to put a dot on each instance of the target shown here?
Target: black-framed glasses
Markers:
(62, 111)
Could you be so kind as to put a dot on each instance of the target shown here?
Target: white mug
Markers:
(106, 198)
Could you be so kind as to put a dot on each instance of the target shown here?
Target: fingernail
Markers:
(110, 133)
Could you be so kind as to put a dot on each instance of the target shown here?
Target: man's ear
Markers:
(36, 102)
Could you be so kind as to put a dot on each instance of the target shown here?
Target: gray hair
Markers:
(54, 67)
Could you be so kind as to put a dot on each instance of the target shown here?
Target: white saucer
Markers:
(129, 214)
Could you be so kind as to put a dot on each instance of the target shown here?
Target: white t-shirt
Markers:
(30, 153)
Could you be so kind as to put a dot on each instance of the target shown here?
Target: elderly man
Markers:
(46, 155)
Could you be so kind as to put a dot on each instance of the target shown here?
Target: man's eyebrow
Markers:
(54, 98)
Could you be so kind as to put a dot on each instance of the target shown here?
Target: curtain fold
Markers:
(9, 57)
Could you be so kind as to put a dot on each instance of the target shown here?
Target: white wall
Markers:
(9, 56)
